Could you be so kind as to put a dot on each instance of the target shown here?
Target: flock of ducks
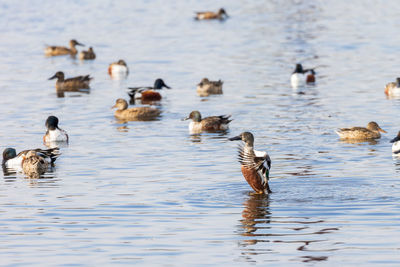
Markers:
(255, 165)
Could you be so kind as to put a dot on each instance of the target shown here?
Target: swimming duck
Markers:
(61, 50)
(255, 164)
(34, 165)
(393, 88)
(221, 15)
(87, 54)
(79, 82)
(148, 93)
(396, 144)
(118, 69)
(360, 133)
(14, 161)
(299, 78)
(207, 87)
(213, 123)
(54, 133)
(137, 113)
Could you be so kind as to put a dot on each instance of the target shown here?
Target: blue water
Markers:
(149, 193)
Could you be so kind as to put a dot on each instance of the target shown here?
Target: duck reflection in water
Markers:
(255, 216)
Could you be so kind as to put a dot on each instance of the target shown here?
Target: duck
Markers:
(12, 160)
(118, 70)
(54, 133)
(221, 15)
(393, 88)
(255, 165)
(207, 87)
(148, 93)
(136, 113)
(299, 77)
(62, 50)
(396, 144)
(79, 82)
(34, 165)
(88, 55)
(212, 124)
(372, 131)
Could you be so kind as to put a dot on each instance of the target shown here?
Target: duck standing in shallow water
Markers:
(62, 50)
(75, 83)
(118, 70)
(221, 15)
(54, 133)
(299, 77)
(212, 124)
(207, 87)
(148, 94)
(393, 88)
(87, 55)
(372, 131)
(21, 162)
(136, 113)
(255, 165)
(396, 144)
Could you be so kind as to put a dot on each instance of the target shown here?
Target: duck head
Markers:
(59, 75)
(397, 138)
(159, 83)
(222, 12)
(121, 62)
(120, 104)
(74, 42)
(194, 116)
(299, 68)
(9, 153)
(52, 123)
(373, 126)
(246, 137)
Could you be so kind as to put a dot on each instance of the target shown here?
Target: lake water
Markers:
(148, 193)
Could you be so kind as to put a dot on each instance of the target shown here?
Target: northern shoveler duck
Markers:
(396, 144)
(207, 87)
(360, 133)
(221, 15)
(255, 164)
(62, 50)
(87, 54)
(213, 123)
(136, 113)
(299, 77)
(118, 70)
(79, 82)
(54, 133)
(393, 88)
(148, 93)
(22, 162)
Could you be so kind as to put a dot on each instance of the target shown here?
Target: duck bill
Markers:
(114, 106)
(185, 119)
(235, 138)
(397, 138)
(79, 44)
(381, 130)
(166, 86)
(53, 77)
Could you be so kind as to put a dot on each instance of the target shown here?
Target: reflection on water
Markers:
(61, 93)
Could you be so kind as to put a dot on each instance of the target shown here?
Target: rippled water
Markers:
(148, 193)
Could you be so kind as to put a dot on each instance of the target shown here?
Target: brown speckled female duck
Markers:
(255, 164)
(207, 87)
(136, 113)
(87, 55)
(62, 50)
(221, 15)
(79, 82)
(212, 123)
(372, 131)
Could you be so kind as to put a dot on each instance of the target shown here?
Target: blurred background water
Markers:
(148, 193)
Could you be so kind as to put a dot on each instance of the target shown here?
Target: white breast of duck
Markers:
(57, 135)
(297, 79)
(15, 163)
(396, 147)
(195, 127)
